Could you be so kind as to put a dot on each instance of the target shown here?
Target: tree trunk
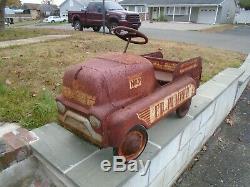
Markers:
(2, 20)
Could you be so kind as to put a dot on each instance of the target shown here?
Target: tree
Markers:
(47, 2)
(3, 4)
(245, 4)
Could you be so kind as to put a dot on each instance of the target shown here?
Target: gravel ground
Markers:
(225, 159)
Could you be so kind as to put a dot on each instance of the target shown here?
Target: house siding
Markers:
(71, 5)
(227, 12)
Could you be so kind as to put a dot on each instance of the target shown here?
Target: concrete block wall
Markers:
(173, 142)
(222, 93)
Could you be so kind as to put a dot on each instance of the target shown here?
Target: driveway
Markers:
(175, 26)
(236, 40)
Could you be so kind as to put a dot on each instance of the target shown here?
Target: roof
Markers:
(31, 6)
(171, 2)
(8, 11)
(81, 2)
(47, 7)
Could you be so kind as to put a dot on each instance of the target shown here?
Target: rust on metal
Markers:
(111, 100)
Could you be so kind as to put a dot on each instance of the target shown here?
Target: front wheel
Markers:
(183, 109)
(96, 28)
(111, 27)
(78, 26)
(53, 21)
(133, 143)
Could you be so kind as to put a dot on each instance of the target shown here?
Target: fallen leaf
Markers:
(229, 121)
(204, 148)
(8, 82)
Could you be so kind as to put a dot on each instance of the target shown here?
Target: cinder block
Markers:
(196, 142)
(207, 114)
(173, 168)
(158, 181)
(164, 157)
(190, 131)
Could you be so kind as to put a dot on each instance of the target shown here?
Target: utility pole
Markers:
(103, 16)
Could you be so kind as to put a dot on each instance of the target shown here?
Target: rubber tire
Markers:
(112, 25)
(53, 21)
(96, 28)
(78, 26)
(143, 131)
(183, 109)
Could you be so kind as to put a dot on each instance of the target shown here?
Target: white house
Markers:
(74, 5)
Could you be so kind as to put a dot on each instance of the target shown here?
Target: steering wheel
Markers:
(127, 34)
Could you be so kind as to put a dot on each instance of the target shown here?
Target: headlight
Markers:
(123, 17)
(61, 108)
(94, 122)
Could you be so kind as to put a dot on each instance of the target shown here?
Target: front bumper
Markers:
(81, 126)
(129, 24)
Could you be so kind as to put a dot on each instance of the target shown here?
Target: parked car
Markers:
(54, 19)
(129, 95)
(115, 16)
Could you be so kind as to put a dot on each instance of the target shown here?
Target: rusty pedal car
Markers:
(112, 100)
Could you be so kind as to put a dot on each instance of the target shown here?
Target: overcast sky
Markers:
(57, 2)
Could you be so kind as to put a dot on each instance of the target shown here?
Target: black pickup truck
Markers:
(115, 16)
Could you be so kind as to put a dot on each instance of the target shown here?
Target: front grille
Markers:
(77, 125)
(133, 18)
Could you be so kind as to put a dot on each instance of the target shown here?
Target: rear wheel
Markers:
(183, 109)
(133, 143)
(112, 25)
(96, 28)
(78, 26)
(53, 21)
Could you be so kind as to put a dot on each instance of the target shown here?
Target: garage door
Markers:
(206, 15)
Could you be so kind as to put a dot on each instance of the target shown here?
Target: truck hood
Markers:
(124, 12)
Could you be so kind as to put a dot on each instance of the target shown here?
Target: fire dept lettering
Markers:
(79, 96)
(135, 81)
(164, 66)
(159, 109)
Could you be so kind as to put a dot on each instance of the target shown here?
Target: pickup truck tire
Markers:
(133, 144)
(112, 25)
(78, 26)
(96, 28)
(183, 109)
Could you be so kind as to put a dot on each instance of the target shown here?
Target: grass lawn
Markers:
(19, 33)
(31, 75)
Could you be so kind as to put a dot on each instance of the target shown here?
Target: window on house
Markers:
(140, 9)
(177, 10)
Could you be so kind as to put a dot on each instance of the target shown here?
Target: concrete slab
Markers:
(166, 129)
(199, 103)
(60, 147)
(180, 26)
(89, 173)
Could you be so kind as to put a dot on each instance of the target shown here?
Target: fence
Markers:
(242, 17)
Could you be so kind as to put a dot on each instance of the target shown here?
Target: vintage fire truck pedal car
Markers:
(112, 100)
